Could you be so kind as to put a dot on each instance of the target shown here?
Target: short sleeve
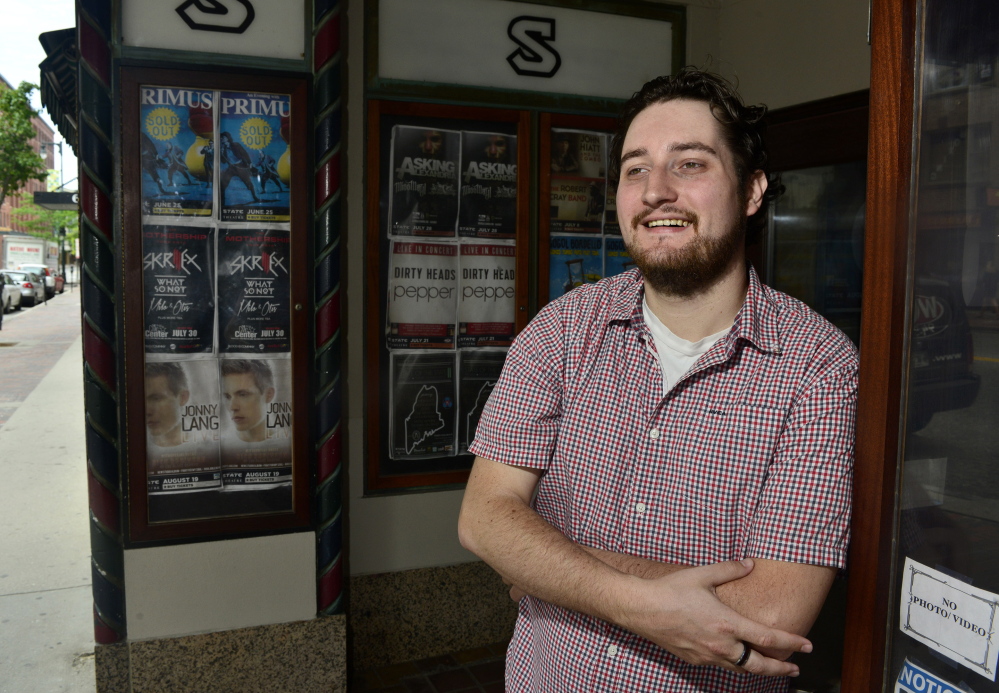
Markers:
(520, 422)
(803, 515)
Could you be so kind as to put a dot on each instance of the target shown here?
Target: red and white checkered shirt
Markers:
(750, 454)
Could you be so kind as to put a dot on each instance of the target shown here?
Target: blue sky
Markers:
(20, 52)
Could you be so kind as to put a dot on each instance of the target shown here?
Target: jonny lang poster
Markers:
(254, 156)
(422, 295)
(182, 425)
(488, 207)
(176, 152)
(486, 307)
(254, 291)
(578, 181)
(422, 405)
(424, 178)
(256, 422)
(178, 270)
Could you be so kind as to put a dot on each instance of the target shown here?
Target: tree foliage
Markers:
(19, 163)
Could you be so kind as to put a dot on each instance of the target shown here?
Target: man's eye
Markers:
(691, 165)
(636, 170)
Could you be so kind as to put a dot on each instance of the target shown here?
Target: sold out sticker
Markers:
(950, 616)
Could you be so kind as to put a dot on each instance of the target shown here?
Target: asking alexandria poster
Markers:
(254, 291)
(423, 191)
(178, 266)
(254, 157)
(176, 152)
(488, 207)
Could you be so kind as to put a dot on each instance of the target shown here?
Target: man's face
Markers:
(562, 147)
(163, 407)
(496, 148)
(246, 402)
(431, 142)
(681, 207)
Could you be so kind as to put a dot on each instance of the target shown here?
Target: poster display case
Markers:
(216, 277)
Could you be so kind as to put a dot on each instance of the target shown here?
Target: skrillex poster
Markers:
(254, 156)
(254, 291)
(256, 422)
(178, 266)
(422, 295)
(423, 190)
(422, 405)
(182, 425)
(176, 153)
(478, 371)
(488, 207)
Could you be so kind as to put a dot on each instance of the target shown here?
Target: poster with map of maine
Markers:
(422, 412)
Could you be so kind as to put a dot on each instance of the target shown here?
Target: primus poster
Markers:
(256, 423)
(578, 181)
(488, 207)
(421, 409)
(178, 277)
(254, 291)
(423, 192)
(422, 295)
(182, 426)
(478, 371)
(486, 307)
(254, 156)
(176, 153)
(573, 261)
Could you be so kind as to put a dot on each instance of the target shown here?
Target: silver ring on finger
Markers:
(745, 655)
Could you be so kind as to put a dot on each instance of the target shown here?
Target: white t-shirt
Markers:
(676, 355)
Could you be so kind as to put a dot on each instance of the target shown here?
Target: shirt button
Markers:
(654, 433)
(612, 651)
(639, 507)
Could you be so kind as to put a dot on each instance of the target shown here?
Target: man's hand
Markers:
(681, 613)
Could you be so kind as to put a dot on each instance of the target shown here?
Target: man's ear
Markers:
(755, 188)
(269, 394)
(185, 395)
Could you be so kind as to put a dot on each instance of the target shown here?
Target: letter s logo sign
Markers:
(217, 15)
(535, 57)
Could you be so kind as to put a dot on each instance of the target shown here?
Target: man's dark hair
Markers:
(174, 374)
(263, 377)
(743, 128)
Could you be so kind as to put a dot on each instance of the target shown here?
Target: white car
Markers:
(11, 299)
(53, 282)
(32, 286)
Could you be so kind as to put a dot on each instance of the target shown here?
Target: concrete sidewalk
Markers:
(46, 624)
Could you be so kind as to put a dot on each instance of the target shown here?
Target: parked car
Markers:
(32, 286)
(54, 283)
(11, 294)
(943, 353)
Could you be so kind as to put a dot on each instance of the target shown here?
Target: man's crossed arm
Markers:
(702, 615)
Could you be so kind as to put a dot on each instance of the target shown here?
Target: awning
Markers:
(58, 83)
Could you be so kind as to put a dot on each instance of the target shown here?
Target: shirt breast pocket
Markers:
(718, 462)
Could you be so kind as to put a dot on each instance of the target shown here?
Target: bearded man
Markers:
(663, 471)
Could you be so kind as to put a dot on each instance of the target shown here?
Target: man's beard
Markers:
(692, 269)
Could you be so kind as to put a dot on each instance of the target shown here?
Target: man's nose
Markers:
(660, 188)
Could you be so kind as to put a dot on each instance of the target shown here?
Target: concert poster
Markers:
(422, 295)
(578, 181)
(254, 291)
(616, 257)
(422, 412)
(574, 261)
(478, 371)
(423, 190)
(182, 425)
(486, 304)
(178, 276)
(488, 207)
(176, 152)
(611, 225)
(256, 422)
(254, 156)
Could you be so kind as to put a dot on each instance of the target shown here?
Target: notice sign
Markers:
(915, 679)
(949, 616)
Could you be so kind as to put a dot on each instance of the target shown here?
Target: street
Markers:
(46, 625)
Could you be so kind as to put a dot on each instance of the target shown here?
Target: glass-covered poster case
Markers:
(945, 622)
(214, 285)
(447, 226)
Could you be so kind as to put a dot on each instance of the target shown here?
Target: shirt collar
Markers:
(756, 322)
